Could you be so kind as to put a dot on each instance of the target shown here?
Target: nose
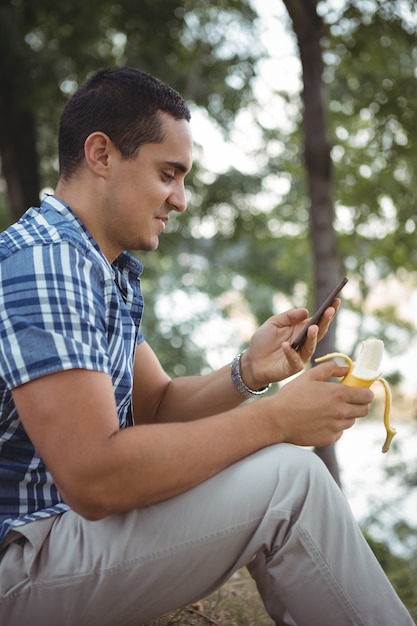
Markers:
(177, 198)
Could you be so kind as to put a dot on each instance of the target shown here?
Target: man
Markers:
(125, 494)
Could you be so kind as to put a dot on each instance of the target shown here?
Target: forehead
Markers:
(177, 146)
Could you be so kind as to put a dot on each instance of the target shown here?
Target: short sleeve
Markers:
(52, 313)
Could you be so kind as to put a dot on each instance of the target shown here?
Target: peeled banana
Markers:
(364, 373)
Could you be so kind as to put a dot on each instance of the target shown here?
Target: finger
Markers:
(289, 318)
(345, 426)
(332, 370)
(358, 396)
(295, 316)
(294, 360)
(336, 304)
(309, 346)
(326, 319)
(312, 336)
(348, 423)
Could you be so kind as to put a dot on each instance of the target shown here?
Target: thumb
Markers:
(328, 369)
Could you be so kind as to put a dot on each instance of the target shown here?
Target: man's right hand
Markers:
(313, 411)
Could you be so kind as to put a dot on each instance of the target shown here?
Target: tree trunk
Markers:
(307, 26)
(18, 149)
(18, 154)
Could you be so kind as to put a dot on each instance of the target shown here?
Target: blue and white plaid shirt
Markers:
(62, 306)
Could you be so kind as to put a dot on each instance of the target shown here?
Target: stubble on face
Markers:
(142, 195)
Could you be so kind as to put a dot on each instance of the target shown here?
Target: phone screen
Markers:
(301, 337)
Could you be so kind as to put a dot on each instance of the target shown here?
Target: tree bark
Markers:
(307, 27)
(18, 146)
(19, 157)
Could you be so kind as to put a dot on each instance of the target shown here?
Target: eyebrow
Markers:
(178, 166)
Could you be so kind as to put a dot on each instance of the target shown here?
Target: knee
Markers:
(282, 476)
(294, 460)
(299, 471)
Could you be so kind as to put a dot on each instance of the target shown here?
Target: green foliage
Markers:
(373, 103)
(228, 240)
(208, 52)
(402, 572)
(370, 73)
(396, 552)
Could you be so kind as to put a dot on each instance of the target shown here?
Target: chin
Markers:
(147, 246)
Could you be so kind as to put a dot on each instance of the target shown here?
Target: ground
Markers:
(237, 603)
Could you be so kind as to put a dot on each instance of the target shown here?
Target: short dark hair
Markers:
(122, 102)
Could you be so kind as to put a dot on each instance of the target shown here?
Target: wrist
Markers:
(239, 382)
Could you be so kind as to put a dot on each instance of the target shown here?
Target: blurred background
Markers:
(305, 170)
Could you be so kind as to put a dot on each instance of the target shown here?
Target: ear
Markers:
(97, 149)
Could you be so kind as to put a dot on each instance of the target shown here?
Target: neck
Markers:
(85, 202)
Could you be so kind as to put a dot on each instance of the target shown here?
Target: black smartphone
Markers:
(301, 337)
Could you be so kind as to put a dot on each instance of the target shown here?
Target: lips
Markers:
(162, 221)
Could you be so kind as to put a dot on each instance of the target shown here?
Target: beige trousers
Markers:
(278, 511)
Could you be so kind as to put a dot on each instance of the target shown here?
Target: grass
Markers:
(237, 603)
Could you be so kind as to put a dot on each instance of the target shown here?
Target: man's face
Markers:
(141, 192)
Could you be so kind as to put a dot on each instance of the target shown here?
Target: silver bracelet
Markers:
(238, 383)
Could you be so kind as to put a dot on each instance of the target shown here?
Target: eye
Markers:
(168, 176)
